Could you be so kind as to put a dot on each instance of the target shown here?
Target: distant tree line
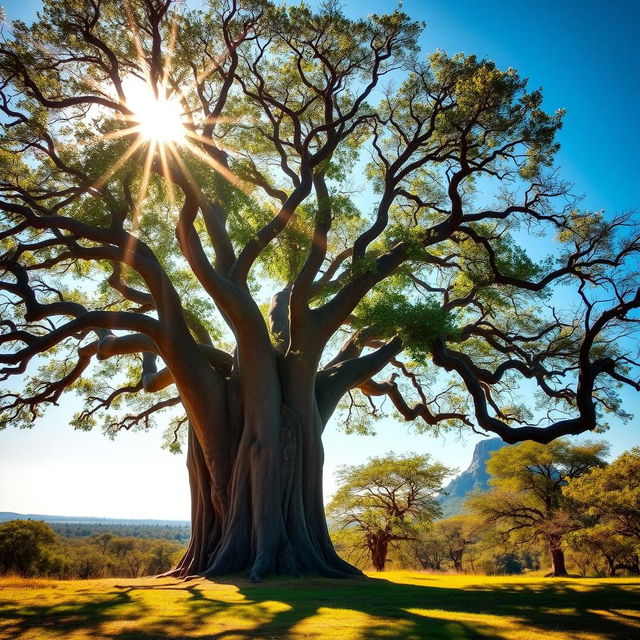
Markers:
(180, 533)
(558, 505)
(32, 548)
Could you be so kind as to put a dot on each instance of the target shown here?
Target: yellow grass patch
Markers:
(393, 605)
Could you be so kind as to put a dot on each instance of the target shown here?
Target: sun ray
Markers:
(136, 36)
(183, 167)
(166, 172)
(160, 117)
(129, 245)
(170, 51)
(216, 166)
(113, 135)
(192, 135)
(226, 173)
(101, 181)
(144, 183)
(214, 64)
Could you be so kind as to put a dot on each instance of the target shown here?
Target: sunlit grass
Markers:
(393, 605)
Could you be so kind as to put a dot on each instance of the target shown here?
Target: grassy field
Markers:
(393, 605)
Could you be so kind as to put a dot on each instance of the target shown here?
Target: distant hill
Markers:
(475, 478)
(9, 515)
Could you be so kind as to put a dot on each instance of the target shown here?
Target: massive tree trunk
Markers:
(256, 499)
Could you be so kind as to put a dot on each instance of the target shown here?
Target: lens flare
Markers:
(157, 118)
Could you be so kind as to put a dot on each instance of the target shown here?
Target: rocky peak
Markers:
(475, 478)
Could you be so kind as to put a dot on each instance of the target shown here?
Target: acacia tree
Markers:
(527, 502)
(598, 542)
(164, 173)
(387, 499)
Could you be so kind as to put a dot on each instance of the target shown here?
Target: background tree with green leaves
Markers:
(527, 502)
(181, 231)
(386, 500)
(457, 534)
(27, 547)
(598, 549)
(611, 497)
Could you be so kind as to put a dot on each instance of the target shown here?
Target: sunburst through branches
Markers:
(159, 123)
(158, 116)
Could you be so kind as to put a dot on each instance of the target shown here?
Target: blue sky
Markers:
(582, 53)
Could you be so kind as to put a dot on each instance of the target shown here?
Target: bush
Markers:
(26, 548)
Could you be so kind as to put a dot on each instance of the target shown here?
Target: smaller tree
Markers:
(386, 499)
(457, 534)
(599, 543)
(612, 494)
(161, 555)
(427, 550)
(527, 502)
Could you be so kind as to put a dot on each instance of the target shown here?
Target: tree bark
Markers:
(378, 548)
(611, 565)
(257, 500)
(558, 568)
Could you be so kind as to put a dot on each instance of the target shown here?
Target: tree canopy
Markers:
(185, 227)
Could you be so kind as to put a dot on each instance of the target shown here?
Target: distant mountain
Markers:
(9, 515)
(475, 478)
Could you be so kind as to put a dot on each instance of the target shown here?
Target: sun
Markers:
(159, 119)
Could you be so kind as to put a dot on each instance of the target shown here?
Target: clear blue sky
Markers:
(583, 53)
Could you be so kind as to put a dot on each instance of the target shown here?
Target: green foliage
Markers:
(32, 548)
(543, 469)
(527, 503)
(107, 531)
(496, 103)
(418, 323)
(26, 547)
(387, 498)
(360, 416)
(559, 490)
(456, 534)
(599, 550)
(611, 494)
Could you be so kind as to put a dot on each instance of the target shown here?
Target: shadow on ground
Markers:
(314, 608)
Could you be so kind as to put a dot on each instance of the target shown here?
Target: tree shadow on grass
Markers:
(68, 616)
(365, 609)
(426, 611)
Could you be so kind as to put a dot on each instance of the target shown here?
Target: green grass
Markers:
(393, 605)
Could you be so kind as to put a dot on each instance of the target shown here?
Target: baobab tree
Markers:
(166, 173)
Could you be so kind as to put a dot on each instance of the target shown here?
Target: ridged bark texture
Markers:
(256, 501)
